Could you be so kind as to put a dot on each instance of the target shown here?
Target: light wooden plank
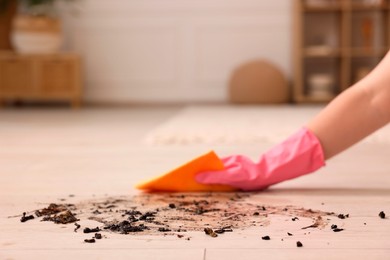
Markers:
(47, 155)
(298, 254)
(92, 251)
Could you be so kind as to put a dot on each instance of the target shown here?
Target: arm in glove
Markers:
(300, 154)
(353, 115)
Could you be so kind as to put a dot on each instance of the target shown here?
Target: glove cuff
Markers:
(298, 155)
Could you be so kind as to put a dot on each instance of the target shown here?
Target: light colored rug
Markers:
(225, 125)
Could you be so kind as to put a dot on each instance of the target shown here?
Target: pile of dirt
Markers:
(175, 214)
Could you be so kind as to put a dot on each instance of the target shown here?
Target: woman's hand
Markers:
(300, 154)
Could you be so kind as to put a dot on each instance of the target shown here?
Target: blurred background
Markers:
(98, 94)
(179, 52)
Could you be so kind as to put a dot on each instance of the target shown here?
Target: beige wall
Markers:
(175, 50)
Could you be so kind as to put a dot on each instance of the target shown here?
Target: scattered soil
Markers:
(342, 216)
(91, 230)
(172, 213)
(65, 217)
(58, 213)
(52, 209)
(318, 223)
(177, 213)
(223, 230)
(25, 218)
(163, 229)
(210, 232)
(77, 227)
(125, 227)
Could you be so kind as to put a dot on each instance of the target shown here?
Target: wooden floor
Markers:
(46, 155)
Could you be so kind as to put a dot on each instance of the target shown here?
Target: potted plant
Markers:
(36, 28)
(7, 13)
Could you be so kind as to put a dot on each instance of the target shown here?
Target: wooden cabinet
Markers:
(16, 76)
(40, 77)
(337, 42)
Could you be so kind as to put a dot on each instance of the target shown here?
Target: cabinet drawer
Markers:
(16, 77)
(54, 77)
(57, 76)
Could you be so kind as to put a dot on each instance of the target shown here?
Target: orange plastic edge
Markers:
(182, 179)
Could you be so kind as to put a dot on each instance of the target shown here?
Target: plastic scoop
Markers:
(182, 179)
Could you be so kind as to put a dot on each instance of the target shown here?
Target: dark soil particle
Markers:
(91, 230)
(172, 205)
(98, 236)
(288, 233)
(25, 218)
(62, 218)
(132, 213)
(382, 214)
(342, 216)
(317, 223)
(223, 230)
(92, 240)
(294, 218)
(299, 244)
(126, 227)
(50, 210)
(148, 216)
(338, 229)
(77, 227)
(266, 238)
(96, 212)
(333, 226)
(163, 229)
(210, 232)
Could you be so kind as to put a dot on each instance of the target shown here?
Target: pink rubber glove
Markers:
(300, 154)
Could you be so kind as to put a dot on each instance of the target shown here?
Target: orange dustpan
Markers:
(182, 179)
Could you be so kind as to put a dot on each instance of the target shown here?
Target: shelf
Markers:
(319, 9)
(364, 52)
(363, 7)
(320, 99)
(342, 39)
(314, 99)
(322, 5)
(321, 52)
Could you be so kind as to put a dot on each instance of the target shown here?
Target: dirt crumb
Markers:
(210, 232)
(65, 217)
